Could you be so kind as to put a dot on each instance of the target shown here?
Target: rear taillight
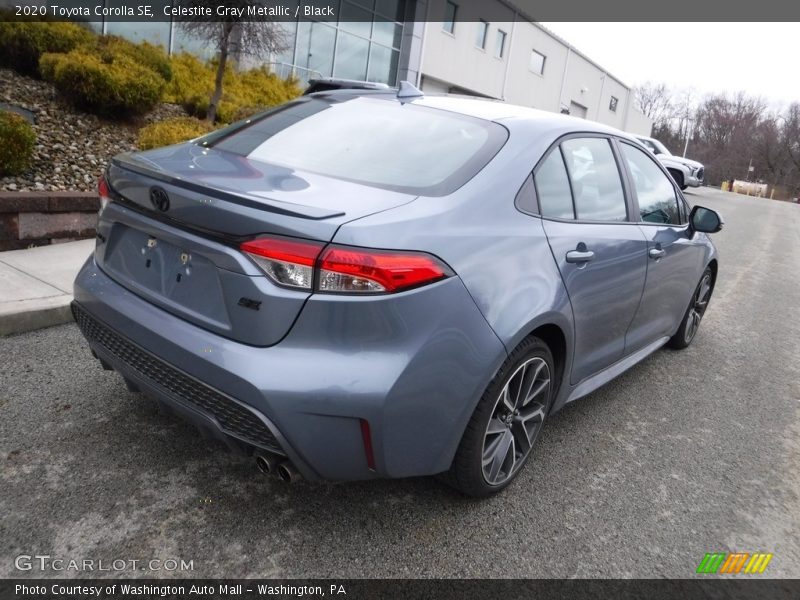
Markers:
(287, 262)
(357, 270)
(342, 269)
(103, 191)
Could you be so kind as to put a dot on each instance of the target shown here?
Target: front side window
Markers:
(481, 33)
(552, 188)
(658, 202)
(449, 23)
(684, 210)
(596, 181)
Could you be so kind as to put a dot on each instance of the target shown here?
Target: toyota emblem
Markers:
(159, 199)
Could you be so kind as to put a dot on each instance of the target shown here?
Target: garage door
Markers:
(577, 110)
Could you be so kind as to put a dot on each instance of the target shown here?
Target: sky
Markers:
(758, 58)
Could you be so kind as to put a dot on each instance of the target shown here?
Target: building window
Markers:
(481, 34)
(449, 23)
(156, 33)
(382, 64)
(612, 105)
(500, 44)
(352, 53)
(537, 62)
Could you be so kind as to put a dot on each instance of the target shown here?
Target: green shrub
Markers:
(243, 93)
(190, 77)
(144, 53)
(23, 43)
(111, 85)
(171, 131)
(16, 149)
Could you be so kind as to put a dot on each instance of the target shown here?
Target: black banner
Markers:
(383, 589)
(401, 10)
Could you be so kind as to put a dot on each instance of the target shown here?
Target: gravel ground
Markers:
(689, 452)
(72, 148)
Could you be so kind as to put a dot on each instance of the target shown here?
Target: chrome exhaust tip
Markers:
(288, 472)
(267, 463)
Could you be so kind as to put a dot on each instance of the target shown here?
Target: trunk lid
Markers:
(182, 253)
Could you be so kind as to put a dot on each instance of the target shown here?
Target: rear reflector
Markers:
(366, 436)
(342, 269)
(287, 262)
(103, 191)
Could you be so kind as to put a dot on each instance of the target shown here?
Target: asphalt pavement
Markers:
(690, 452)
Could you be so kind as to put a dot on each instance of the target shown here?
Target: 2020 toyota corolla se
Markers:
(355, 285)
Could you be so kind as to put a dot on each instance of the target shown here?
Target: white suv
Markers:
(685, 172)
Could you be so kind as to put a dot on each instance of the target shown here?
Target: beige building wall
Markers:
(569, 81)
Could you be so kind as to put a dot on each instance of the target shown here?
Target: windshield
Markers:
(656, 146)
(375, 141)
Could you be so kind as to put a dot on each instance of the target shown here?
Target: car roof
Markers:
(492, 110)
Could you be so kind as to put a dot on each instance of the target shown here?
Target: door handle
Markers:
(579, 256)
(656, 253)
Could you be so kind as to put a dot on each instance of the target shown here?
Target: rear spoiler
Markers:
(136, 164)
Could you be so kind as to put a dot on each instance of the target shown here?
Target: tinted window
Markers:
(684, 208)
(596, 182)
(371, 140)
(552, 187)
(526, 197)
(655, 192)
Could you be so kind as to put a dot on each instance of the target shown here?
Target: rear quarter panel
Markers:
(501, 254)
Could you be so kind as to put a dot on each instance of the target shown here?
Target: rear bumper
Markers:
(413, 365)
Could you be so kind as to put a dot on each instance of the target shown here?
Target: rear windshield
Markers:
(375, 141)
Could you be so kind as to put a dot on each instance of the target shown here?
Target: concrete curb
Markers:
(35, 314)
(36, 285)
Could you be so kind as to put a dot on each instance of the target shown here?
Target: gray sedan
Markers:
(364, 284)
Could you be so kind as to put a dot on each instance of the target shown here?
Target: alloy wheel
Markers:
(698, 307)
(516, 420)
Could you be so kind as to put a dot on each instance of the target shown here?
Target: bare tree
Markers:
(655, 102)
(791, 134)
(728, 133)
(790, 144)
(727, 127)
(232, 36)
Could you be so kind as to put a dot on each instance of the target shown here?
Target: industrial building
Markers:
(442, 46)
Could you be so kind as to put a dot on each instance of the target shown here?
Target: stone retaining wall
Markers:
(38, 218)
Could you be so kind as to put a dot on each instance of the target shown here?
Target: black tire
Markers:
(678, 177)
(694, 312)
(683, 187)
(466, 474)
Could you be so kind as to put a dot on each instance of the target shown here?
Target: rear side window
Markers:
(552, 187)
(596, 181)
(658, 202)
(375, 141)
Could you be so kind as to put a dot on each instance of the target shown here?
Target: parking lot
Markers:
(690, 452)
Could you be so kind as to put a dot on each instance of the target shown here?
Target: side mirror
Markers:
(705, 220)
